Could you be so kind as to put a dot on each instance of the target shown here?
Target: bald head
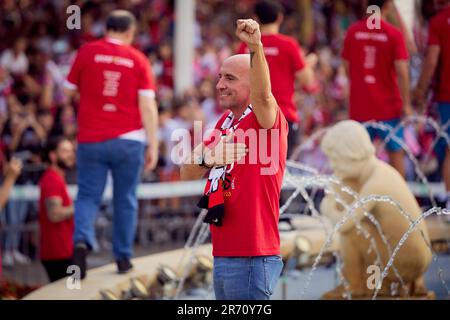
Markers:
(238, 64)
(120, 21)
(121, 25)
(241, 61)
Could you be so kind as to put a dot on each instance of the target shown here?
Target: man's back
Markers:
(283, 55)
(439, 34)
(109, 75)
(374, 92)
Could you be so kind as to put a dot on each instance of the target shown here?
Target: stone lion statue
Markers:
(351, 153)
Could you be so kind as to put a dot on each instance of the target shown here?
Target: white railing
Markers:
(161, 190)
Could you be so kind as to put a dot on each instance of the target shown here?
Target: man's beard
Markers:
(62, 165)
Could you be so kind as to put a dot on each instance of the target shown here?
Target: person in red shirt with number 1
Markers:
(375, 57)
(438, 53)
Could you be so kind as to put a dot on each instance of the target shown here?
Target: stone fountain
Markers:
(352, 158)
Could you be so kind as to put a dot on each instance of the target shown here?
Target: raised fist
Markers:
(247, 30)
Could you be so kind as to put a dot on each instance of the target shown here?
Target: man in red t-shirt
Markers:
(56, 210)
(286, 64)
(438, 53)
(376, 60)
(243, 188)
(117, 116)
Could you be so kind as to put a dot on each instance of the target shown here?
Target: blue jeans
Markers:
(125, 159)
(444, 120)
(16, 214)
(246, 278)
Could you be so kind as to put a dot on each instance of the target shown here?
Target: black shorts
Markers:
(56, 269)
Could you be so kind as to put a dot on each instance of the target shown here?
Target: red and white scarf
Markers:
(212, 198)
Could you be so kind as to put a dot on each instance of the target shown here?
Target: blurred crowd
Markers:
(36, 52)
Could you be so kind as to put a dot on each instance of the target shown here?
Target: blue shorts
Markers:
(444, 119)
(391, 145)
(444, 115)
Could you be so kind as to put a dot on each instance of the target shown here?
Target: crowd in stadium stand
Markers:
(37, 50)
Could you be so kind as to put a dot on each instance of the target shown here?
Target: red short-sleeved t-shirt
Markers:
(284, 57)
(109, 75)
(439, 34)
(251, 199)
(374, 92)
(56, 237)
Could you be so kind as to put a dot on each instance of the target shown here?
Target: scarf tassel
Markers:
(214, 202)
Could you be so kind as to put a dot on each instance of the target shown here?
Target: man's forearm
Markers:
(61, 213)
(191, 169)
(306, 76)
(192, 172)
(428, 68)
(264, 103)
(149, 114)
(403, 80)
(56, 212)
(403, 83)
(15, 140)
(69, 93)
(260, 88)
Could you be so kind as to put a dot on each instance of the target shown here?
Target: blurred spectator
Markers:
(11, 172)
(377, 63)
(56, 209)
(5, 92)
(166, 75)
(168, 170)
(14, 60)
(25, 135)
(208, 103)
(438, 54)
